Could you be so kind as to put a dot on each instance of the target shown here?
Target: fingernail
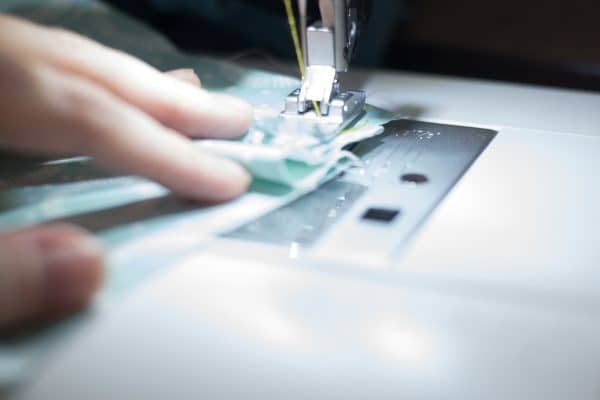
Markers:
(189, 72)
(233, 103)
(73, 270)
(231, 171)
(235, 107)
(186, 75)
(220, 179)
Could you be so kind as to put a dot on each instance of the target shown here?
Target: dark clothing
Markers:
(238, 25)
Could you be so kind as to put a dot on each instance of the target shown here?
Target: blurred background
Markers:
(545, 42)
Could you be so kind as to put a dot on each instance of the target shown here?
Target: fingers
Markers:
(52, 113)
(46, 272)
(183, 107)
(130, 141)
(185, 75)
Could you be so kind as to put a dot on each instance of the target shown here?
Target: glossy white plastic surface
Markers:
(217, 328)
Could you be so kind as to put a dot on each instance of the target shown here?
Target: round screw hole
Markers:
(416, 179)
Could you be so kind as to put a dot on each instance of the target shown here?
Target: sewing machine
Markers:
(461, 262)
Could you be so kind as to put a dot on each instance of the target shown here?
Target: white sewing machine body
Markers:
(495, 296)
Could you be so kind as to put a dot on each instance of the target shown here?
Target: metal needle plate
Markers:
(407, 171)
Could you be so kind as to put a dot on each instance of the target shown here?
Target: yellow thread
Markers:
(297, 47)
(356, 127)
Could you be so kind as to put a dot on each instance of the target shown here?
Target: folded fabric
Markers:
(293, 155)
(298, 169)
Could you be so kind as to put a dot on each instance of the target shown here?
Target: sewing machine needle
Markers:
(303, 25)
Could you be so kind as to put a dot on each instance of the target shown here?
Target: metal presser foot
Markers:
(327, 51)
(343, 109)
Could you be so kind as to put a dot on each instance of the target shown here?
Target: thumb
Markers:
(45, 273)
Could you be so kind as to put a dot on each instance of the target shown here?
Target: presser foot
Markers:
(343, 109)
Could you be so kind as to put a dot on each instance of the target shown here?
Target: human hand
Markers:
(64, 94)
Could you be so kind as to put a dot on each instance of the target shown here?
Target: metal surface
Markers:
(305, 220)
(320, 46)
(340, 15)
(408, 171)
(343, 109)
(302, 8)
